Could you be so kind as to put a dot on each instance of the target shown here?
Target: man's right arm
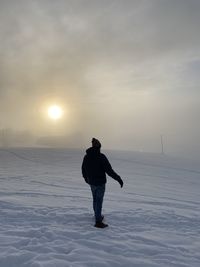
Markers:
(83, 168)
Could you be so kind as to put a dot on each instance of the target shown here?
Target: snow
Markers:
(46, 214)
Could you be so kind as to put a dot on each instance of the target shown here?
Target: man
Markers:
(95, 166)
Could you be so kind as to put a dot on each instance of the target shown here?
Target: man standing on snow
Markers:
(95, 166)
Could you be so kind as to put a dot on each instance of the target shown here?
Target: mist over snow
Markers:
(126, 72)
(47, 219)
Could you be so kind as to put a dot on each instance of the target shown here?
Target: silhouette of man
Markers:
(95, 166)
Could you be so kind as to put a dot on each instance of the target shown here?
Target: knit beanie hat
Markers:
(96, 143)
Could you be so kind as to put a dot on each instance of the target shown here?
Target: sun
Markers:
(55, 112)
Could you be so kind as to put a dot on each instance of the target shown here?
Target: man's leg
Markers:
(98, 194)
(100, 190)
(94, 189)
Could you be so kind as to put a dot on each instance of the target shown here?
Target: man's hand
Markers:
(121, 182)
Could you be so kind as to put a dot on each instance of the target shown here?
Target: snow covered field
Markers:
(46, 217)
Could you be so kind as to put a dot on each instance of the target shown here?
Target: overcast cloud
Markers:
(126, 71)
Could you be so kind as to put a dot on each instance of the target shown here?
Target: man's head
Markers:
(96, 143)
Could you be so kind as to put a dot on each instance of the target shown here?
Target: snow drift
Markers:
(47, 220)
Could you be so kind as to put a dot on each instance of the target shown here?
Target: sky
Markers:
(124, 71)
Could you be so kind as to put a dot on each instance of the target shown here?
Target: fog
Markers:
(123, 71)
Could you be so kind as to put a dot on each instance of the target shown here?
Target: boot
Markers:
(100, 225)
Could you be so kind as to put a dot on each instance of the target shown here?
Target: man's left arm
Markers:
(109, 170)
(83, 168)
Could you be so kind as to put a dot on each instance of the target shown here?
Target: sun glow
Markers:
(55, 112)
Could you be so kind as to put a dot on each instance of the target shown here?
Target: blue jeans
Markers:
(98, 194)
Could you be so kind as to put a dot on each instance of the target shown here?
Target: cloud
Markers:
(124, 64)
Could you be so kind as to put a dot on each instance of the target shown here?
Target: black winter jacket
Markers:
(95, 166)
